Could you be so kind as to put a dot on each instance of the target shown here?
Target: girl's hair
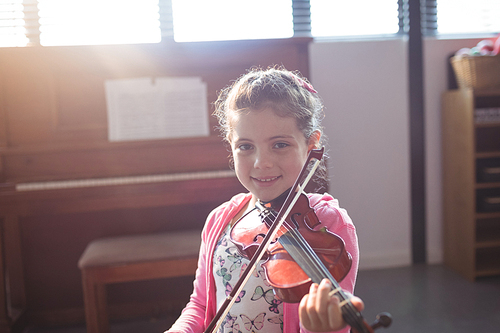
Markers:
(287, 93)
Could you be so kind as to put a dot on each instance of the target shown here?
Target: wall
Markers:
(364, 87)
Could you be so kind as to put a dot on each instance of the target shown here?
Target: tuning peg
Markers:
(383, 319)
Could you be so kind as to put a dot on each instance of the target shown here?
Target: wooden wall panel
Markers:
(3, 118)
(115, 159)
(56, 95)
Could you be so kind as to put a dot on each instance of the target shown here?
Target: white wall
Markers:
(364, 88)
(364, 85)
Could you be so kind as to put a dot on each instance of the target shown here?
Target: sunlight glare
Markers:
(201, 20)
(75, 22)
(12, 30)
(345, 18)
(465, 16)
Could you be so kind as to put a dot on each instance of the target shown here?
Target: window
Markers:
(351, 18)
(202, 20)
(76, 22)
(468, 16)
(90, 22)
(12, 23)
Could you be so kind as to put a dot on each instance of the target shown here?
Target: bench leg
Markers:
(96, 311)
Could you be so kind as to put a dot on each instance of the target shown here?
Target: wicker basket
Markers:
(477, 72)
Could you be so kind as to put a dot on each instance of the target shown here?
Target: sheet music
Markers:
(147, 108)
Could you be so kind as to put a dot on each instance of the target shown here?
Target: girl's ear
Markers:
(313, 142)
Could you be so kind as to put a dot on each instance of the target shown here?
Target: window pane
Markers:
(202, 20)
(351, 18)
(76, 22)
(12, 30)
(468, 16)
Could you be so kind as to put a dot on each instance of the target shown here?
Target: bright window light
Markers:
(12, 24)
(354, 18)
(202, 20)
(468, 16)
(93, 22)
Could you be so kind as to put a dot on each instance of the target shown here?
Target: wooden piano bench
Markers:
(132, 258)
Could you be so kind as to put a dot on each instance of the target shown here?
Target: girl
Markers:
(271, 120)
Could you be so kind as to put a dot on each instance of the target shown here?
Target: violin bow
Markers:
(290, 201)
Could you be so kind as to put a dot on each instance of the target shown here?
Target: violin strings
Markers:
(350, 313)
(318, 269)
(306, 251)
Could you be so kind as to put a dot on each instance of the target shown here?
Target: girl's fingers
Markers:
(323, 301)
(304, 317)
(358, 303)
(311, 304)
(321, 312)
(335, 315)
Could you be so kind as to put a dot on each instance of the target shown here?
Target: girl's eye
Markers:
(245, 146)
(281, 145)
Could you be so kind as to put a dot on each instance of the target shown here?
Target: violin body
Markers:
(288, 279)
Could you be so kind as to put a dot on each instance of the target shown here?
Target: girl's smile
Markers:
(269, 152)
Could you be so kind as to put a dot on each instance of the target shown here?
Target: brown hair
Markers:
(287, 93)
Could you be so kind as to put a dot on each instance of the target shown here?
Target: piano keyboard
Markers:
(78, 183)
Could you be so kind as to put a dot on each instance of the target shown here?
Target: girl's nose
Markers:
(263, 160)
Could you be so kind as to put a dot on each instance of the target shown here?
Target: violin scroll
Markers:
(383, 319)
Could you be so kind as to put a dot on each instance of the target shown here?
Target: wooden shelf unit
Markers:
(471, 206)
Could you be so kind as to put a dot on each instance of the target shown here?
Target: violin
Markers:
(295, 253)
(289, 252)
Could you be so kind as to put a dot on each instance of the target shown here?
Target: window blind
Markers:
(301, 18)
(428, 14)
(16, 22)
(166, 19)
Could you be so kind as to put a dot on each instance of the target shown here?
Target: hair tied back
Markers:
(304, 84)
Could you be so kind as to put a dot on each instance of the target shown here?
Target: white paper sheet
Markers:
(146, 108)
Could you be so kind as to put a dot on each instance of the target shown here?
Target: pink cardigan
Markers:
(201, 308)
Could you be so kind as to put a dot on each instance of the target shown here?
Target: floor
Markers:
(421, 299)
(430, 299)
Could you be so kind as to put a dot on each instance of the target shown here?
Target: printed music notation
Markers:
(156, 108)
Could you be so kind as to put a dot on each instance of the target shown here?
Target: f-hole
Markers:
(255, 239)
(292, 217)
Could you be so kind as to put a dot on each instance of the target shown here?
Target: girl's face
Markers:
(269, 152)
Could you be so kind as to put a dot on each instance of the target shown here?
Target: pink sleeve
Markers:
(192, 318)
(338, 221)
(202, 305)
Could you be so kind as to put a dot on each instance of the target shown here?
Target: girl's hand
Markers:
(319, 312)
